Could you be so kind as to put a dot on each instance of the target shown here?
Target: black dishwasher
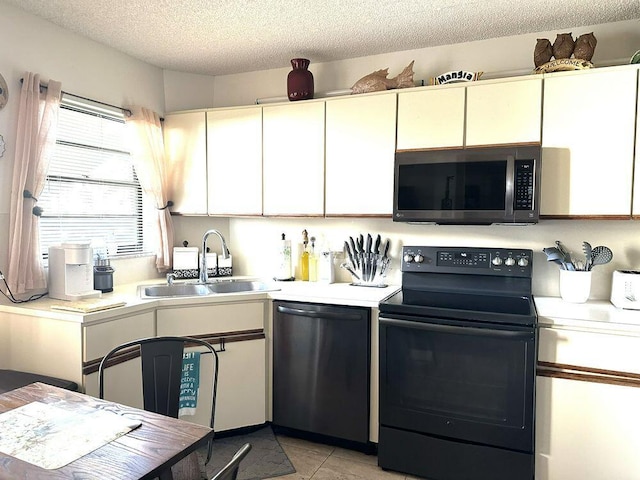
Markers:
(321, 369)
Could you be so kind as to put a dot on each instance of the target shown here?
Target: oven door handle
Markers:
(454, 329)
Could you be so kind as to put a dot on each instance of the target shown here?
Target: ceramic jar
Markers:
(575, 286)
(300, 80)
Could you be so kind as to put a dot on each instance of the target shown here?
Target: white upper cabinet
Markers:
(473, 114)
(504, 112)
(234, 159)
(293, 159)
(588, 143)
(360, 149)
(186, 160)
(431, 118)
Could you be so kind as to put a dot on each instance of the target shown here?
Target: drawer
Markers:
(589, 349)
(204, 319)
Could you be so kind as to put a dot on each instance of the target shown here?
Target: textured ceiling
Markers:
(219, 37)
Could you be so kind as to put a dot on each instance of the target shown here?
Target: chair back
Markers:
(230, 470)
(161, 361)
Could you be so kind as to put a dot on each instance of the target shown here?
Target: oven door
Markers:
(457, 380)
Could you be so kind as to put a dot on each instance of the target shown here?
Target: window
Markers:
(92, 193)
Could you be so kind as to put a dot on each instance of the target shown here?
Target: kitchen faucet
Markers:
(203, 259)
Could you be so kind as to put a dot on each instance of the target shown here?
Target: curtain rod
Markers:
(125, 110)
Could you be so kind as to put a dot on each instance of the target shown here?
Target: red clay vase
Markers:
(300, 80)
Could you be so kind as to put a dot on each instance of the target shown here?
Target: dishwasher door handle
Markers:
(314, 314)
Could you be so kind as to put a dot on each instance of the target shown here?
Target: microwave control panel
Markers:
(523, 185)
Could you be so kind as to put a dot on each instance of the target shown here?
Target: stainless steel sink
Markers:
(199, 290)
(240, 286)
(176, 290)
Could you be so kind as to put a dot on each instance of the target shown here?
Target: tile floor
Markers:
(316, 461)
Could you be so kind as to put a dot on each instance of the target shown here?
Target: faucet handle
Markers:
(170, 278)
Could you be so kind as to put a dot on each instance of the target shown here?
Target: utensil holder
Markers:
(575, 286)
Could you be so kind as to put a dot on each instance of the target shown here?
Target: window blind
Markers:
(92, 193)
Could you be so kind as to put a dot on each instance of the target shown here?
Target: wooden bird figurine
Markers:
(585, 46)
(563, 46)
(543, 52)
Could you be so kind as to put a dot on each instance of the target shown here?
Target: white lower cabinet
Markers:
(123, 382)
(587, 406)
(587, 431)
(241, 399)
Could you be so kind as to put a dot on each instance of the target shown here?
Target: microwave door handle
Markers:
(456, 330)
(510, 187)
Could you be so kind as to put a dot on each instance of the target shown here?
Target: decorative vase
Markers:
(300, 80)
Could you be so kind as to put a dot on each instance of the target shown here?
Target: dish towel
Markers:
(189, 384)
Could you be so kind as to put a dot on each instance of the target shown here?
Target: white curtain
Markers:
(35, 140)
(147, 151)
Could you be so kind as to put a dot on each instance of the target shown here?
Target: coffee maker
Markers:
(71, 272)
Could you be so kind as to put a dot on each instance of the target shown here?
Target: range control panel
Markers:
(460, 260)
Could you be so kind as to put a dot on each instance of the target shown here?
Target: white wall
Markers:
(85, 68)
(497, 57)
(253, 241)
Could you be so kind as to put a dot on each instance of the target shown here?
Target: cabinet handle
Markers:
(314, 314)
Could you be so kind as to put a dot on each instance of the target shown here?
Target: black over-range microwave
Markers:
(468, 186)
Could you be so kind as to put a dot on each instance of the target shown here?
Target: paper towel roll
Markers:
(283, 271)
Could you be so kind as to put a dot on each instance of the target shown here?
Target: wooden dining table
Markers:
(148, 451)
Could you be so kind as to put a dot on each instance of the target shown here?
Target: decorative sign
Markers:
(455, 77)
(564, 64)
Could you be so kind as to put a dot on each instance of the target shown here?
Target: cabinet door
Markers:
(234, 160)
(586, 431)
(293, 159)
(242, 396)
(587, 140)
(186, 158)
(587, 416)
(242, 393)
(504, 112)
(123, 382)
(431, 118)
(360, 151)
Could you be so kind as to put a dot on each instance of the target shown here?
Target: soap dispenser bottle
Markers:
(304, 258)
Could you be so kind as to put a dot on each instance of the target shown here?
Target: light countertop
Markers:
(595, 315)
(314, 292)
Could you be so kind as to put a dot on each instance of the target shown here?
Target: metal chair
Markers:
(230, 470)
(161, 359)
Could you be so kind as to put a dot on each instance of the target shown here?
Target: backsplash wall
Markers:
(253, 243)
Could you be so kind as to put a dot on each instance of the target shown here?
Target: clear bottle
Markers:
(304, 258)
(313, 262)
